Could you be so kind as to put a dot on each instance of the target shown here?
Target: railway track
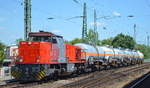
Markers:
(142, 82)
(95, 79)
(17, 85)
(98, 79)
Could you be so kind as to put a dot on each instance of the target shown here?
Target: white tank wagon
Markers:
(136, 56)
(141, 57)
(109, 54)
(92, 52)
(122, 55)
(106, 55)
(133, 57)
(127, 56)
(118, 55)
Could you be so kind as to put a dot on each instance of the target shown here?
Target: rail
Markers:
(100, 78)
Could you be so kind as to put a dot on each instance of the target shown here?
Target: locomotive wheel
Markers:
(55, 76)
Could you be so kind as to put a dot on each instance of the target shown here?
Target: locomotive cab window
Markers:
(54, 40)
(40, 38)
(44, 38)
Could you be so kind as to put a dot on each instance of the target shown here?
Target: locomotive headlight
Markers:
(29, 43)
(38, 59)
(20, 59)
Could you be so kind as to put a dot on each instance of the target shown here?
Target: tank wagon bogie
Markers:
(46, 56)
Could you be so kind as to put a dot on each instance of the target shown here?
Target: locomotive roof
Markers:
(41, 33)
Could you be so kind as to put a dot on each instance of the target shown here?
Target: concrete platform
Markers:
(4, 79)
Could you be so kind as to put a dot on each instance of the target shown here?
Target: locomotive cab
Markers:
(57, 44)
(45, 37)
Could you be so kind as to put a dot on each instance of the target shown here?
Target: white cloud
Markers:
(116, 13)
(98, 24)
(56, 31)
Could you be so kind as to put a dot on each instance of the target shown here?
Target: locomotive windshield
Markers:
(43, 38)
(39, 38)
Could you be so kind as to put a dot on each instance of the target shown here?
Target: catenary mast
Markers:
(27, 18)
(84, 27)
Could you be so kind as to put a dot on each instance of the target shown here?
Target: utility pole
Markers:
(27, 18)
(134, 36)
(147, 40)
(95, 21)
(84, 27)
(95, 27)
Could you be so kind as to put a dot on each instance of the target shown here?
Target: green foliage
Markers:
(2, 53)
(92, 37)
(74, 41)
(124, 41)
(120, 40)
(106, 41)
(144, 49)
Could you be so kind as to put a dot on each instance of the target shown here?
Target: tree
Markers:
(107, 41)
(92, 37)
(124, 41)
(74, 41)
(2, 52)
(144, 49)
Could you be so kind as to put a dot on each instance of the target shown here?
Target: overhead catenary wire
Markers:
(56, 17)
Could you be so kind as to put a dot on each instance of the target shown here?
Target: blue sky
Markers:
(12, 18)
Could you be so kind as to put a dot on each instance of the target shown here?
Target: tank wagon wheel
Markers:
(91, 64)
(100, 67)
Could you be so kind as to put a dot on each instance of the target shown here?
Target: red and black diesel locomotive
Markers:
(46, 55)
